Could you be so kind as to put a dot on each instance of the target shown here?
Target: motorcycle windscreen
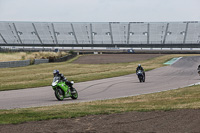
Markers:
(55, 79)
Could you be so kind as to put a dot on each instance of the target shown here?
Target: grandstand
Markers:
(101, 34)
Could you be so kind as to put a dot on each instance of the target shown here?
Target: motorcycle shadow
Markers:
(64, 100)
(140, 82)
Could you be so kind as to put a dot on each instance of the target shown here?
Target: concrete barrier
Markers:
(36, 61)
(39, 61)
(14, 64)
(8, 64)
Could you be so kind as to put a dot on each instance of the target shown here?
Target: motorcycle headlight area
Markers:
(54, 83)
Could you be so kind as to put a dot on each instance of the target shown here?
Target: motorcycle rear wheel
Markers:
(75, 95)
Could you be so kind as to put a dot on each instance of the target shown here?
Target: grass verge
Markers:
(41, 75)
(182, 98)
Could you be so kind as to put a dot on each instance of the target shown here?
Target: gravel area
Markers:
(176, 121)
(114, 58)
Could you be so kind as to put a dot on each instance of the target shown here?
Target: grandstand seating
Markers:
(193, 33)
(119, 32)
(27, 33)
(139, 33)
(176, 32)
(8, 33)
(101, 33)
(64, 33)
(82, 32)
(157, 33)
(58, 33)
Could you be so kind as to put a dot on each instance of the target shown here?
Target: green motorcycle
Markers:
(62, 90)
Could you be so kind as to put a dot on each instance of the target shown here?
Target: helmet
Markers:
(55, 72)
(139, 65)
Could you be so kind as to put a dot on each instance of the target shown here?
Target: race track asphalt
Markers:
(180, 74)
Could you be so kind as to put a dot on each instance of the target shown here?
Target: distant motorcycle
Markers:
(140, 75)
(62, 90)
(198, 70)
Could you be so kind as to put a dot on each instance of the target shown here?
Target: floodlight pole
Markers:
(17, 33)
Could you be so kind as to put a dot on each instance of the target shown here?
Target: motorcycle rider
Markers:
(140, 68)
(62, 77)
(199, 70)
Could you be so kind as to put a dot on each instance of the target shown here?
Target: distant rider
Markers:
(198, 67)
(140, 68)
(62, 77)
(199, 70)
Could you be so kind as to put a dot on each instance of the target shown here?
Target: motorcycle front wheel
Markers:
(59, 94)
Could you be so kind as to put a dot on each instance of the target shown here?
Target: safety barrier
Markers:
(39, 61)
(22, 63)
(14, 64)
(36, 61)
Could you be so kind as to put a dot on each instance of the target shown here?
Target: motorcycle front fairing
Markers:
(65, 88)
(57, 83)
(139, 73)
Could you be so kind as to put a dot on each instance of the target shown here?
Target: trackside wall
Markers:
(33, 62)
(39, 61)
(9, 64)
(14, 64)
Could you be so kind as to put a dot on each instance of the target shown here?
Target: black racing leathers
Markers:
(140, 68)
(68, 83)
(198, 70)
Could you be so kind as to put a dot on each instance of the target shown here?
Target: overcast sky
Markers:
(100, 10)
